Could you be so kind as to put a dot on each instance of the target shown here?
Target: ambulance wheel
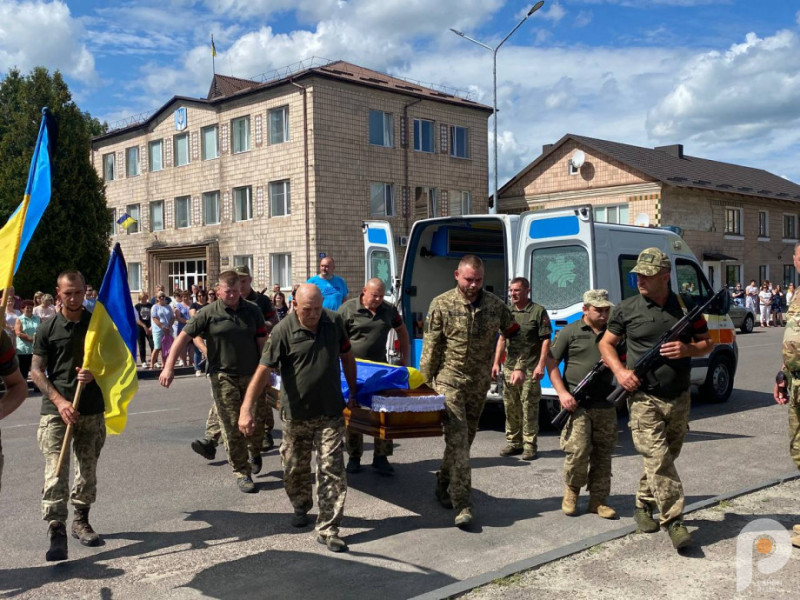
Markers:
(719, 380)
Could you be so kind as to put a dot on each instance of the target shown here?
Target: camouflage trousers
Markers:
(463, 409)
(1, 463)
(658, 427)
(522, 410)
(588, 439)
(263, 415)
(355, 445)
(794, 420)
(325, 435)
(228, 391)
(88, 437)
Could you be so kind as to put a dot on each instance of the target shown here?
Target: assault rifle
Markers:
(652, 359)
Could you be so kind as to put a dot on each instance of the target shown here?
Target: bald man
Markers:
(307, 346)
(333, 288)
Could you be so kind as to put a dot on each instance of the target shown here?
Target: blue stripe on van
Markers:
(376, 236)
(554, 227)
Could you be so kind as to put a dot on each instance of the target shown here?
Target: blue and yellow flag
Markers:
(110, 348)
(372, 377)
(126, 221)
(18, 230)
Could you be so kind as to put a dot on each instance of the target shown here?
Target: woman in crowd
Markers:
(145, 326)
(789, 293)
(162, 318)
(738, 294)
(37, 299)
(182, 318)
(200, 302)
(777, 306)
(45, 310)
(279, 302)
(765, 303)
(751, 297)
(25, 328)
(11, 314)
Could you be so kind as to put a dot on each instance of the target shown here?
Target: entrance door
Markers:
(184, 274)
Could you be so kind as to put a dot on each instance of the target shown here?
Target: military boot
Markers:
(205, 448)
(679, 535)
(463, 518)
(268, 443)
(510, 450)
(569, 505)
(597, 505)
(442, 495)
(57, 532)
(82, 530)
(644, 519)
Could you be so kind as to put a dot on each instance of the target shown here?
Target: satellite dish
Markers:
(642, 220)
(578, 158)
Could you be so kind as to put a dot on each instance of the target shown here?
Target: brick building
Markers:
(275, 174)
(740, 221)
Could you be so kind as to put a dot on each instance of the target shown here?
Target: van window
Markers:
(379, 266)
(627, 280)
(559, 276)
(691, 280)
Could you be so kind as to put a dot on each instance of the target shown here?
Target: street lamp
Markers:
(494, 50)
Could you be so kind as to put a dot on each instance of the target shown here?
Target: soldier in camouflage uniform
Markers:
(522, 401)
(234, 331)
(458, 346)
(590, 434)
(307, 345)
(56, 370)
(16, 390)
(790, 394)
(659, 406)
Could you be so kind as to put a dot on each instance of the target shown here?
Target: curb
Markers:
(459, 588)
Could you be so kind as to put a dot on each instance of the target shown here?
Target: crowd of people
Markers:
(768, 302)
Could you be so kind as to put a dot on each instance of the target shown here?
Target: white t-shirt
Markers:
(765, 296)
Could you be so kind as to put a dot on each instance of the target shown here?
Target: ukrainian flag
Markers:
(126, 220)
(18, 231)
(110, 345)
(372, 377)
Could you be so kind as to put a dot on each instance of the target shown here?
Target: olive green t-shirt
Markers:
(8, 355)
(576, 345)
(263, 302)
(368, 333)
(644, 322)
(231, 335)
(60, 342)
(535, 328)
(309, 365)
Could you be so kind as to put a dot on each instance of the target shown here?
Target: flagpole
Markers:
(68, 434)
(213, 56)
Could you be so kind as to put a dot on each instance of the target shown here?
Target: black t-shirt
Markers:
(143, 312)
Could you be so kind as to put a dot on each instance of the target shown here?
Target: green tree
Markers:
(74, 231)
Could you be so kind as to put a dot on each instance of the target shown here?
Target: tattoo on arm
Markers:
(40, 380)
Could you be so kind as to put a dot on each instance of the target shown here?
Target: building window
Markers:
(243, 259)
(423, 135)
(281, 267)
(790, 227)
(789, 275)
(156, 155)
(135, 214)
(135, 276)
(157, 215)
(278, 125)
(242, 204)
(381, 199)
(733, 275)
(183, 210)
(460, 203)
(733, 221)
(210, 208)
(763, 273)
(611, 214)
(763, 224)
(109, 166)
(112, 214)
(459, 142)
(132, 161)
(279, 198)
(181, 152)
(240, 129)
(381, 128)
(572, 169)
(210, 142)
(434, 210)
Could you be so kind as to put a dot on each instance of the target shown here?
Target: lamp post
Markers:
(494, 50)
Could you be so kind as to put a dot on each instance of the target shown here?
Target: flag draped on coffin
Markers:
(18, 230)
(111, 343)
(372, 377)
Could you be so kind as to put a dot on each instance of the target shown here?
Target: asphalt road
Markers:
(175, 526)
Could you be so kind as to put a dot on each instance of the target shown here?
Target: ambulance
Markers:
(563, 253)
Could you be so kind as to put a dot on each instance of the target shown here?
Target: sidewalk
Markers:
(646, 565)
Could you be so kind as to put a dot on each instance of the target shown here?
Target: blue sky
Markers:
(720, 76)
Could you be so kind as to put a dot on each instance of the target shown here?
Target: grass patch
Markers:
(511, 580)
(595, 549)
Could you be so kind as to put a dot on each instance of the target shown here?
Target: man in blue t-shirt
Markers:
(334, 288)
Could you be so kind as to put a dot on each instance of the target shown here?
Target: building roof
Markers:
(224, 88)
(669, 165)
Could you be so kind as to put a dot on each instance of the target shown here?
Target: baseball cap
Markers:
(650, 262)
(597, 298)
(242, 270)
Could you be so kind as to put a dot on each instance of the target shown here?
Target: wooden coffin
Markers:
(396, 425)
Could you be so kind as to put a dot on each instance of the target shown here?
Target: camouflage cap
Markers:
(242, 270)
(650, 262)
(597, 298)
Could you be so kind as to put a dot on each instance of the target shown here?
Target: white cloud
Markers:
(554, 13)
(43, 33)
(583, 18)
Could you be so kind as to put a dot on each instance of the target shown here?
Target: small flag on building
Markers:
(126, 221)
(213, 48)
